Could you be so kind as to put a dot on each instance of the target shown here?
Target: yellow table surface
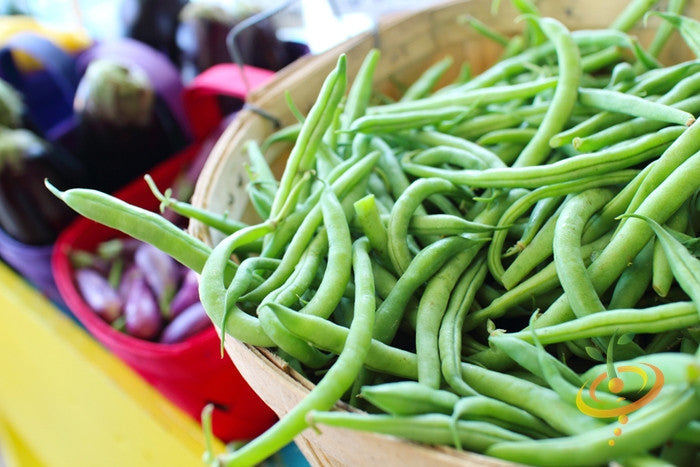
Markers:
(66, 401)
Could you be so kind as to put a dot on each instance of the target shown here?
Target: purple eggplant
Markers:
(153, 22)
(99, 294)
(161, 272)
(124, 127)
(187, 294)
(192, 320)
(132, 273)
(203, 42)
(30, 213)
(142, 317)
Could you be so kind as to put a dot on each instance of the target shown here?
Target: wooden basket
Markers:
(409, 44)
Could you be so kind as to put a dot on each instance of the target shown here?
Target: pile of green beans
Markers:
(459, 263)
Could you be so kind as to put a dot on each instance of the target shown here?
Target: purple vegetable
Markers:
(192, 320)
(186, 295)
(161, 272)
(141, 313)
(132, 273)
(99, 294)
(124, 127)
(30, 213)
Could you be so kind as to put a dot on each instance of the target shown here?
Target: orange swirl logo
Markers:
(615, 386)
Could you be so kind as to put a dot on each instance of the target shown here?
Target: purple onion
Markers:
(141, 312)
(187, 295)
(161, 272)
(189, 322)
(99, 294)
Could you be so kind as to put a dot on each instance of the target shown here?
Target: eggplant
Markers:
(100, 296)
(192, 320)
(202, 38)
(186, 295)
(142, 317)
(123, 127)
(153, 22)
(30, 213)
(162, 273)
(132, 273)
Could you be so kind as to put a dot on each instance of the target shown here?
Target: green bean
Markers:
(539, 401)
(665, 29)
(685, 266)
(407, 120)
(431, 309)
(337, 379)
(564, 98)
(544, 280)
(662, 276)
(221, 222)
(520, 206)
(409, 398)
(367, 215)
(315, 125)
(604, 221)
(343, 178)
(689, 29)
(567, 250)
(431, 428)
(656, 319)
(675, 366)
(482, 96)
(401, 213)
(630, 129)
(641, 149)
(329, 336)
(485, 30)
(634, 281)
(140, 224)
(520, 351)
(437, 139)
(539, 249)
(289, 343)
(288, 134)
(302, 277)
(606, 99)
(478, 126)
(689, 434)
(450, 338)
(631, 14)
(542, 210)
(426, 263)
(682, 75)
(504, 415)
(586, 127)
(509, 135)
(359, 96)
(445, 155)
(518, 63)
(427, 81)
(338, 267)
(263, 176)
(216, 295)
(309, 222)
(568, 391)
(647, 428)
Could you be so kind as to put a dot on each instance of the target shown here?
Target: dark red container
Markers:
(192, 373)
